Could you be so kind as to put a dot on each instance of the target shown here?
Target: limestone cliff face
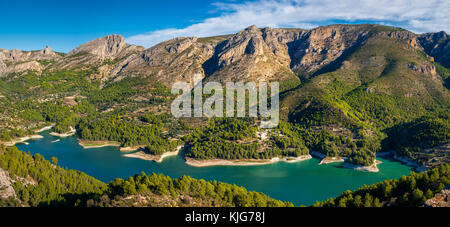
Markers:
(17, 61)
(108, 46)
(23, 67)
(253, 55)
(437, 45)
(323, 45)
(6, 189)
(16, 55)
(174, 60)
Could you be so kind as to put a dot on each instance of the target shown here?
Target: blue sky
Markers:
(65, 24)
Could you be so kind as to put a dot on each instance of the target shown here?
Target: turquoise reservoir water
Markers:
(301, 183)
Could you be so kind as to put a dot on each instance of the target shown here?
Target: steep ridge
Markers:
(437, 45)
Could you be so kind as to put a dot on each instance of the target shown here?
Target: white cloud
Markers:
(415, 15)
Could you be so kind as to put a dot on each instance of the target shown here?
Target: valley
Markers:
(347, 92)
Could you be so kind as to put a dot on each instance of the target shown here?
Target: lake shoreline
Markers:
(108, 163)
(328, 160)
(25, 138)
(131, 148)
(409, 162)
(22, 140)
(87, 144)
(45, 128)
(404, 160)
(372, 168)
(157, 158)
(244, 162)
(65, 134)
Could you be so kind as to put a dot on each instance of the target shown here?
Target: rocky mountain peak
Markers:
(104, 47)
(15, 54)
(251, 29)
(47, 51)
(247, 42)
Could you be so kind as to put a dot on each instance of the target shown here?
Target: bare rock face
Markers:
(278, 40)
(16, 55)
(105, 47)
(110, 54)
(17, 61)
(4, 54)
(180, 44)
(437, 45)
(2, 66)
(47, 51)
(6, 189)
(425, 69)
(246, 42)
(177, 59)
(23, 67)
(441, 199)
(163, 53)
(323, 45)
(252, 55)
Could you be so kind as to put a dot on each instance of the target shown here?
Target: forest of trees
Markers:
(24, 105)
(218, 139)
(411, 138)
(211, 193)
(120, 128)
(361, 151)
(412, 191)
(231, 138)
(8, 134)
(61, 115)
(42, 183)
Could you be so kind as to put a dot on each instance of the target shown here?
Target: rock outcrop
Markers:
(170, 61)
(16, 55)
(22, 67)
(6, 189)
(253, 54)
(441, 199)
(17, 61)
(106, 47)
(437, 45)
